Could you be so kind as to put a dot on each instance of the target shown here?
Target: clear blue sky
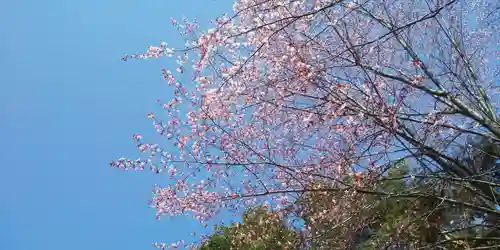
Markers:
(69, 105)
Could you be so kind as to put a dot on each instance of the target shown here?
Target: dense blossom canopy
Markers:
(289, 97)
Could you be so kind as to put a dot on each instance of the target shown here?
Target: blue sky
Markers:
(69, 105)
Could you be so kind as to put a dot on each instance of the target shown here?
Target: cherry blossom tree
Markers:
(288, 99)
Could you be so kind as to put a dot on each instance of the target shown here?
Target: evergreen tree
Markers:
(259, 230)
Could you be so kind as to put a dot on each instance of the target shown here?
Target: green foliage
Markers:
(388, 213)
(259, 230)
(218, 241)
